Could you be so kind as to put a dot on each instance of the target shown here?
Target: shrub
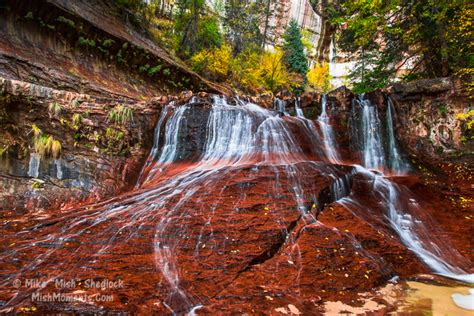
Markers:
(108, 43)
(214, 62)
(86, 42)
(319, 78)
(66, 21)
(154, 70)
(144, 68)
(467, 118)
(245, 71)
(114, 140)
(273, 73)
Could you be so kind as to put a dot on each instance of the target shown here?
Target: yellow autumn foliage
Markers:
(272, 72)
(247, 71)
(244, 71)
(215, 62)
(468, 118)
(45, 145)
(319, 78)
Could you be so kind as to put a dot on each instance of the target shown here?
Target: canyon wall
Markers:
(99, 157)
(95, 48)
(65, 68)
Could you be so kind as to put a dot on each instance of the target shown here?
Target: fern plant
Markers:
(56, 149)
(55, 109)
(75, 103)
(120, 114)
(76, 120)
(36, 131)
(45, 145)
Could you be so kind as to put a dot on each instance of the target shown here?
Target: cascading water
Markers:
(402, 211)
(395, 161)
(367, 130)
(298, 110)
(330, 146)
(59, 169)
(244, 200)
(33, 165)
(279, 106)
(366, 127)
(176, 201)
(341, 186)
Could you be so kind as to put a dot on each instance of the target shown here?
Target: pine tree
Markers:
(294, 55)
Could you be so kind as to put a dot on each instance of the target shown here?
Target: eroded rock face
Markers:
(93, 48)
(427, 122)
(98, 157)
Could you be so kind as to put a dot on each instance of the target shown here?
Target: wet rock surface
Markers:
(223, 226)
(238, 210)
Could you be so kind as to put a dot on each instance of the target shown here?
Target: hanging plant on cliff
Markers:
(45, 145)
(54, 109)
(294, 55)
(120, 114)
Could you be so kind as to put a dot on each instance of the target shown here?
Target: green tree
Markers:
(195, 27)
(294, 54)
(242, 22)
(429, 37)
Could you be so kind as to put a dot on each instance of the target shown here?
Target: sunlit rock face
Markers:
(237, 208)
(303, 13)
(94, 49)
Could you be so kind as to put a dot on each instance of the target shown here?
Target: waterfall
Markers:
(366, 128)
(59, 169)
(156, 143)
(341, 187)
(33, 165)
(395, 160)
(247, 194)
(238, 137)
(330, 147)
(367, 135)
(366, 132)
(401, 211)
(298, 110)
(279, 106)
